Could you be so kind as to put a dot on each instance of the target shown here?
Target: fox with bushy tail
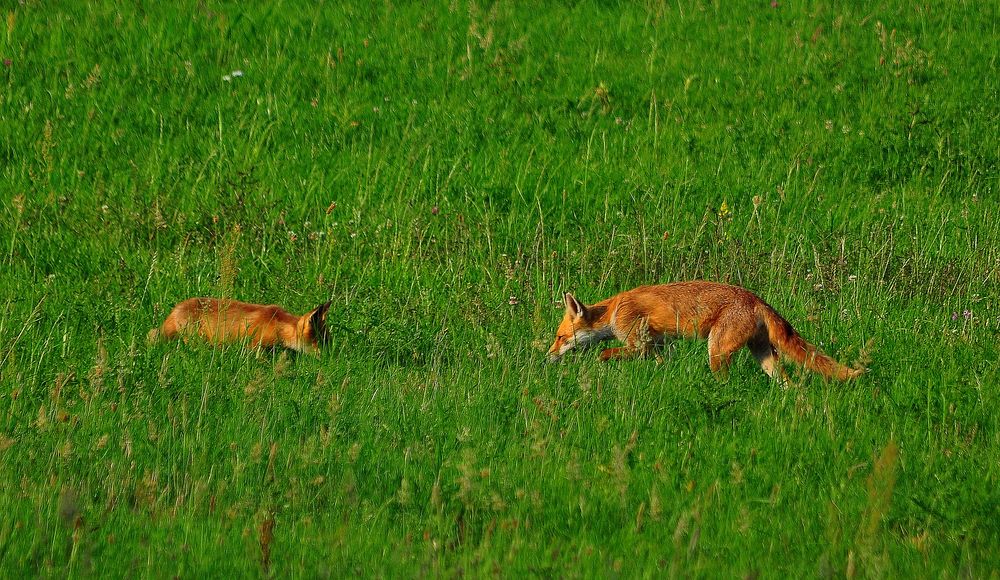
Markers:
(730, 318)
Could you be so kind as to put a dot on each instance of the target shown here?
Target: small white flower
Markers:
(227, 78)
(237, 73)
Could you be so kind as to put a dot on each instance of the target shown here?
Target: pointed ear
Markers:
(317, 323)
(573, 306)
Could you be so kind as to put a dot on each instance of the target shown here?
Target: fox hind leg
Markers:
(725, 338)
(169, 330)
(762, 349)
(720, 352)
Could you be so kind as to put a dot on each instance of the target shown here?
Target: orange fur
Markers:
(219, 321)
(730, 318)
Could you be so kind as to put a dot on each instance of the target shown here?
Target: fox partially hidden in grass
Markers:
(220, 321)
(730, 318)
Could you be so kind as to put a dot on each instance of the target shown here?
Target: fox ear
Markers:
(573, 306)
(317, 323)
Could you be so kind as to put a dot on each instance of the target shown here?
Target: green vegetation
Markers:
(444, 172)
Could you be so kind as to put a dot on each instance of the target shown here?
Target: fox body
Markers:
(730, 318)
(220, 321)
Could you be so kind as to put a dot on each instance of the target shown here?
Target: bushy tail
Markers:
(789, 343)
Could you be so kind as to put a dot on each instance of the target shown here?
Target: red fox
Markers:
(219, 320)
(729, 316)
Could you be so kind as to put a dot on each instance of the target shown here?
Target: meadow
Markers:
(443, 172)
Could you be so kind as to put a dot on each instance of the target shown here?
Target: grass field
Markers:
(443, 172)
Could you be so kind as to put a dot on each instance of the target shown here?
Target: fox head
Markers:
(314, 327)
(576, 329)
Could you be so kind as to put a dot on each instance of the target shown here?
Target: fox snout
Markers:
(557, 349)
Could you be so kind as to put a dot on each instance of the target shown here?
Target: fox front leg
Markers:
(639, 341)
(619, 353)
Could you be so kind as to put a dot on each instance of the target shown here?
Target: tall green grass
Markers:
(444, 172)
